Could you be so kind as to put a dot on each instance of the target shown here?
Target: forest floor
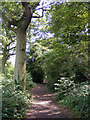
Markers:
(45, 106)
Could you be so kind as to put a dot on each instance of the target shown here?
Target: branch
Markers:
(11, 54)
(14, 30)
(11, 48)
(25, 4)
(10, 42)
(12, 22)
(37, 16)
(28, 14)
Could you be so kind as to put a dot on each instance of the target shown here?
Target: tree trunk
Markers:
(3, 64)
(4, 59)
(22, 25)
(19, 72)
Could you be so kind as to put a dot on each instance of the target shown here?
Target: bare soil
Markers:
(45, 106)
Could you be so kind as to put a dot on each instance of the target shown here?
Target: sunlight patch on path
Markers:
(42, 102)
(45, 106)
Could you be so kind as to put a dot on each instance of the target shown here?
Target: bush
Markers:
(9, 70)
(29, 83)
(15, 103)
(64, 86)
(36, 71)
(50, 85)
(67, 61)
(75, 96)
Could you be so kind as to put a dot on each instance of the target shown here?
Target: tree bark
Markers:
(22, 25)
(3, 63)
(4, 59)
(19, 71)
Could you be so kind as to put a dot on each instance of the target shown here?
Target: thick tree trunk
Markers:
(19, 72)
(22, 25)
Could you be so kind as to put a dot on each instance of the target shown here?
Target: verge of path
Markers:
(45, 106)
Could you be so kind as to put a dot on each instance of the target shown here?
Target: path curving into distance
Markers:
(45, 106)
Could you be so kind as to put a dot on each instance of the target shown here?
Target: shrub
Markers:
(37, 74)
(50, 85)
(75, 96)
(64, 86)
(9, 70)
(15, 103)
(35, 69)
(29, 83)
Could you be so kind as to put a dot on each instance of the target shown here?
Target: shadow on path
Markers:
(45, 106)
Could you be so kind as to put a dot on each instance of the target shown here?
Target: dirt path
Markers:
(45, 106)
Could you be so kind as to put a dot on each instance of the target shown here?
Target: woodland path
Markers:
(45, 106)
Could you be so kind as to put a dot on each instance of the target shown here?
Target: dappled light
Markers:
(50, 76)
(45, 106)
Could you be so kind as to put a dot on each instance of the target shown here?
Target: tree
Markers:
(67, 53)
(69, 22)
(33, 61)
(19, 22)
(8, 47)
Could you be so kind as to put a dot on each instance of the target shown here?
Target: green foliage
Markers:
(66, 61)
(75, 96)
(33, 66)
(15, 103)
(0, 61)
(64, 86)
(36, 71)
(9, 70)
(50, 84)
(29, 83)
(68, 20)
(69, 46)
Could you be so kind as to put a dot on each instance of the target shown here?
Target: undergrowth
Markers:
(75, 96)
(15, 102)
